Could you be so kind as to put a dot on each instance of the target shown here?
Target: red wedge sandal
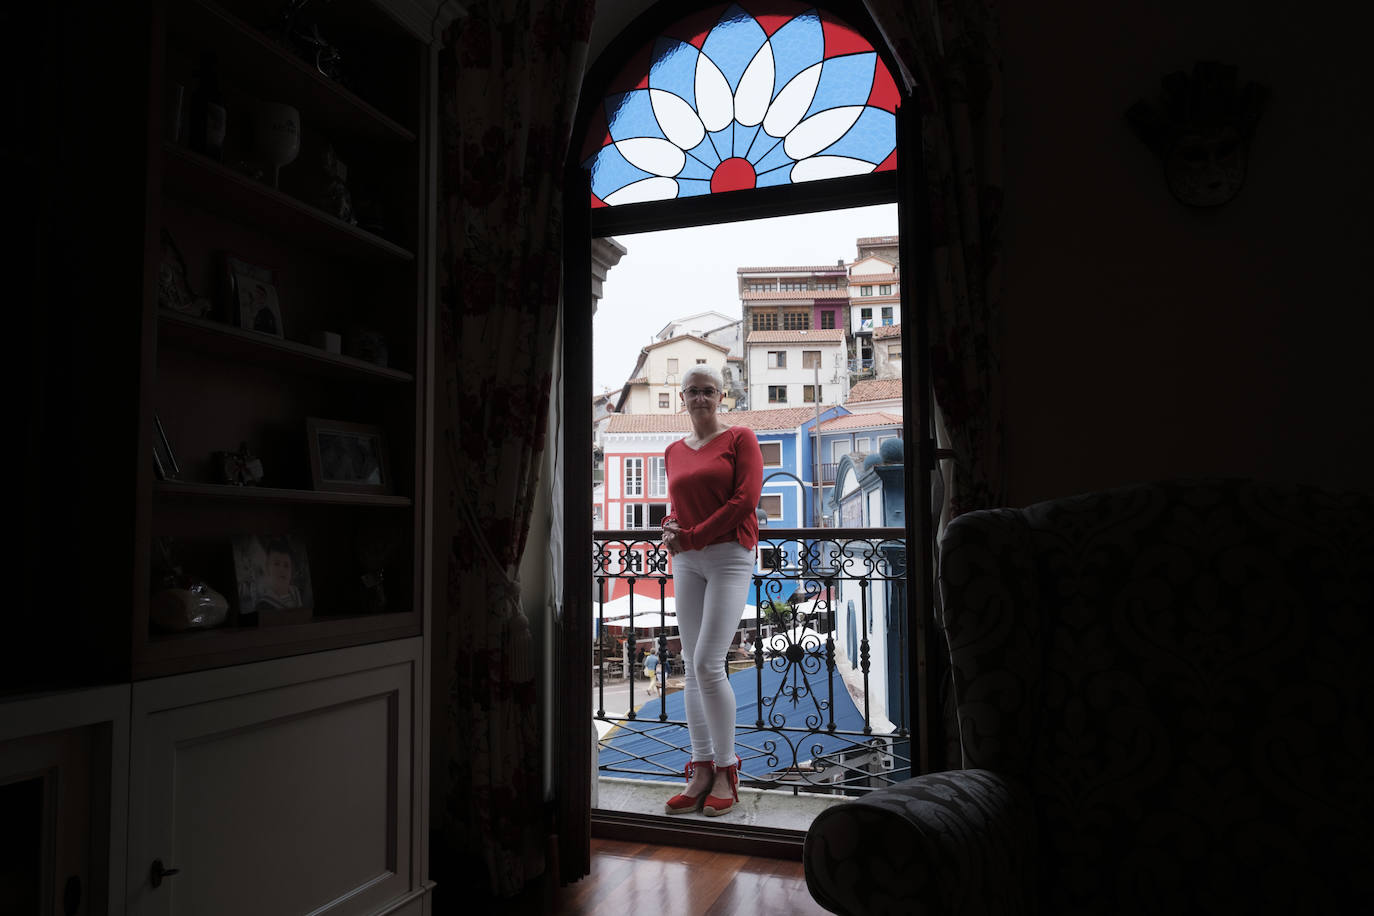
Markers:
(683, 803)
(715, 806)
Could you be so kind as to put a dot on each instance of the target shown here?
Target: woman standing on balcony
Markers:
(714, 479)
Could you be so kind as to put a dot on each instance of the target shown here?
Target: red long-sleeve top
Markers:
(715, 489)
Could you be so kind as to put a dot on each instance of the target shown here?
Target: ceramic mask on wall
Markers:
(1201, 131)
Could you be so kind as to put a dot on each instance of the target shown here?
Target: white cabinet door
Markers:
(281, 787)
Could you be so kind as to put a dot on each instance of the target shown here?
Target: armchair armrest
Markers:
(957, 842)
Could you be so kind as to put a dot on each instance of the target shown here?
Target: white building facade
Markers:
(874, 302)
(796, 368)
(657, 378)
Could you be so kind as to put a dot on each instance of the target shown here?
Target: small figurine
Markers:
(240, 469)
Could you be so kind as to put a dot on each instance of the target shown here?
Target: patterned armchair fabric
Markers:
(1174, 680)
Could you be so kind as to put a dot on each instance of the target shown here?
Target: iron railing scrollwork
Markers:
(831, 707)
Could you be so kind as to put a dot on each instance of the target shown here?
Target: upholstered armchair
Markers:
(1164, 706)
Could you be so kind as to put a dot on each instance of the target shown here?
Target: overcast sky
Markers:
(666, 275)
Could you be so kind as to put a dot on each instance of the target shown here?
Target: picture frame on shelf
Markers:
(347, 457)
(164, 459)
(174, 291)
(272, 573)
(252, 295)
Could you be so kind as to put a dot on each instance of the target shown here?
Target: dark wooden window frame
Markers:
(573, 816)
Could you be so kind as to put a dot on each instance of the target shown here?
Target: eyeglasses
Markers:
(700, 392)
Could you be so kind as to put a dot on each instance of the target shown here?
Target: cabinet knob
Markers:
(158, 872)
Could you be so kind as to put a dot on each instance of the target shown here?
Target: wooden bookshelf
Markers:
(214, 384)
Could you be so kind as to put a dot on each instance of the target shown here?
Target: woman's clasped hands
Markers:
(670, 537)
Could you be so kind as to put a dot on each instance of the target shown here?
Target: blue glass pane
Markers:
(631, 114)
(705, 152)
(610, 172)
(872, 138)
(777, 176)
(675, 69)
(692, 188)
(744, 138)
(732, 44)
(796, 46)
(844, 81)
(695, 168)
(771, 158)
(724, 141)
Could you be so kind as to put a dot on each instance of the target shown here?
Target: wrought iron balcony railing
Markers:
(822, 693)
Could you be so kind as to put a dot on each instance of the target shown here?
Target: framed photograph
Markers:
(273, 577)
(164, 460)
(253, 299)
(173, 290)
(347, 457)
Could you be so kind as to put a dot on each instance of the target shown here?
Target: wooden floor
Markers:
(639, 879)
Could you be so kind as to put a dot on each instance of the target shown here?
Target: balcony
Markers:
(822, 693)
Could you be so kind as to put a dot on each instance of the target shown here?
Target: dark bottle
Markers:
(207, 117)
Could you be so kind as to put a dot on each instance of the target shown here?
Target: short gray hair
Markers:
(710, 372)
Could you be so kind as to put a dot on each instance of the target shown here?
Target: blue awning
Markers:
(662, 748)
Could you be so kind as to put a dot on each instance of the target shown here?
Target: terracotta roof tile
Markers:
(841, 293)
(876, 389)
(782, 418)
(793, 269)
(877, 240)
(860, 421)
(815, 335)
(886, 331)
(681, 337)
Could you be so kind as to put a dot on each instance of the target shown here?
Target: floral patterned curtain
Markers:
(949, 52)
(509, 75)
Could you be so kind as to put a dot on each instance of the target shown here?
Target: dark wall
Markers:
(1146, 339)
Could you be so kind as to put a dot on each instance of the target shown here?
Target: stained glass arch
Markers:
(742, 96)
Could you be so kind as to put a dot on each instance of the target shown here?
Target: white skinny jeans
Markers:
(710, 586)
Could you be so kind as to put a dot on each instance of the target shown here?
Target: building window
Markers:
(885, 289)
(862, 445)
(866, 314)
(887, 316)
(811, 394)
(634, 515)
(811, 359)
(596, 515)
(828, 320)
(658, 477)
(770, 557)
(777, 394)
(657, 512)
(894, 352)
(663, 399)
(772, 454)
(838, 449)
(777, 359)
(634, 477)
(701, 362)
(865, 290)
(792, 286)
(672, 367)
(763, 321)
(796, 321)
(771, 504)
